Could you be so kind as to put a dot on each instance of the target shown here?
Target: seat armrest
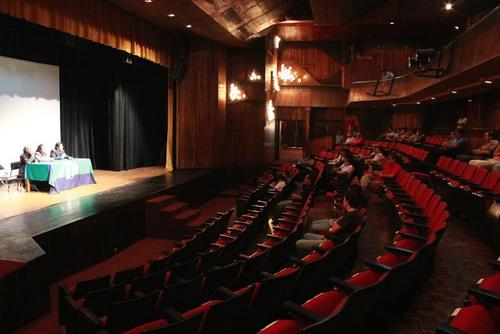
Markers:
(446, 329)
(418, 225)
(282, 229)
(301, 312)
(485, 295)
(225, 293)
(243, 257)
(94, 319)
(274, 237)
(262, 246)
(296, 261)
(399, 250)
(265, 274)
(413, 236)
(376, 266)
(242, 222)
(172, 315)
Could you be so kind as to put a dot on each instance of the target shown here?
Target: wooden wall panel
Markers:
(311, 96)
(245, 120)
(408, 117)
(212, 131)
(98, 21)
(322, 60)
(200, 115)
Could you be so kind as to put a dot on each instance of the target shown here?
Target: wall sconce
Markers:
(254, 76)
(270, 115)
(235, 93)
(286, 74)
(276, 84)
(277, 41)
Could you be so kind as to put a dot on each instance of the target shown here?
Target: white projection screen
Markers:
(29, 107)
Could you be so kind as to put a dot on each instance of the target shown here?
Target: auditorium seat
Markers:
(174, 324)
(474, 319)
(128, 275)
(148, 283)
(183, 295)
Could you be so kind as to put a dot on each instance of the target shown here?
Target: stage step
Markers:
(160, 201)
(174, 209)
(185, 216)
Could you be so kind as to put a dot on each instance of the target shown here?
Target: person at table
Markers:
(58, 152)
(24, 159)
(40, 155)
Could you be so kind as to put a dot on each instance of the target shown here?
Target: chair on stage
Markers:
(6, 178)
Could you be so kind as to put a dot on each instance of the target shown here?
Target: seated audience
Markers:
(355, 140)
(454, 146)
(491, 163)
(388, 135)
(279, 184)
(399, 135)
(339, 138)
(349, 138)
(340, 228)
(58, 151)
(387, 75)
(485, 151)
(390, 169)
(40, 154)
(376, 157)
(25, 158)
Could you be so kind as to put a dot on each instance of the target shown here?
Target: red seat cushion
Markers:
(407, 244)
(474, 319)
(327, 245)
(311, 257)
(326, 303)
(148, 326)
(391, 259)
(285, 271)
(283, 326)
(203, 308)
(364, 278)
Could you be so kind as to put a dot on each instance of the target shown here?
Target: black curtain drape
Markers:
(113, 104)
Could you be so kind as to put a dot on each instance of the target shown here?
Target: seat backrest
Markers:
(469, 172)
(226, 276)
(479, 176)
(128, 314)
(460, 168)
(128, 275)
(189, 325)
(84, 287)
(252, 266)
(148, 283)
(186, 270)
(160, 264)
(490, 181)
(446, 162)
(425, 197)
(14, 166)
(431, 206)
(452, 166)
(100, 301)
(182, 296)
(273, 291)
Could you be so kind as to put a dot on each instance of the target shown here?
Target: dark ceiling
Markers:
(234, 22)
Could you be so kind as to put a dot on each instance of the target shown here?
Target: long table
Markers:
(61, 174)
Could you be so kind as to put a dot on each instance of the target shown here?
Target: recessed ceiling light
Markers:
(391, 23)
(433, 98)
(488, 82)
(454, 92)
(148, 1)
(171, 15)
(418, 102)
(394, 104)
(469, 100)
(188, 26)
(457, 28)
(448, 6)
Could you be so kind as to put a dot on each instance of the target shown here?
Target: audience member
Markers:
(390, 169)
(349, 138)
(388, 135)
(488, 163)
(454, 146)
(339, 138)
(387, 75)
(340, 228)
(485, 151)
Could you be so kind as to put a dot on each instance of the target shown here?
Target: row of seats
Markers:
(372, 294)
(481, 311)
(117, 306)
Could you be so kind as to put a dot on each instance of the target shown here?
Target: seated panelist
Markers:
(58, 152)
(40, 155)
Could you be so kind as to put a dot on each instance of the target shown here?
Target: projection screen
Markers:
(29, 107)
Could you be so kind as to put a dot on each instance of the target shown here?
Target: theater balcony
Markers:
(462, 66)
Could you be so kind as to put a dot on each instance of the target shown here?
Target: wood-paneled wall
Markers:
(245, 120)
(201, 108)
(98, 21)
(408, 117)
(211, 131)
(322, 60)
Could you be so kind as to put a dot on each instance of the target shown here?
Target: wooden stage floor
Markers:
(16, 203)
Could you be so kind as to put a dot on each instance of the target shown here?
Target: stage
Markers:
(45, 237)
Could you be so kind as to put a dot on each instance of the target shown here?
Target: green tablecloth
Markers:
(61, 174)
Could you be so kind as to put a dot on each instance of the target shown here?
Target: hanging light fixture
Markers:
(235, 93)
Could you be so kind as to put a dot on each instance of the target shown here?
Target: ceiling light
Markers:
(454, 92)
(418, 102)
(391, 23)
(433, 98)
(448, 6)
(254, 76)
(488, 82)
(148, 1)
(188, 26)
(171, 15)
(394, 104)
(270, 115)
(457, 27)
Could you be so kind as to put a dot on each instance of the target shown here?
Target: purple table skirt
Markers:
(77, 180)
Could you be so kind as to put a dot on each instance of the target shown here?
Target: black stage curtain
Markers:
(113, 104)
